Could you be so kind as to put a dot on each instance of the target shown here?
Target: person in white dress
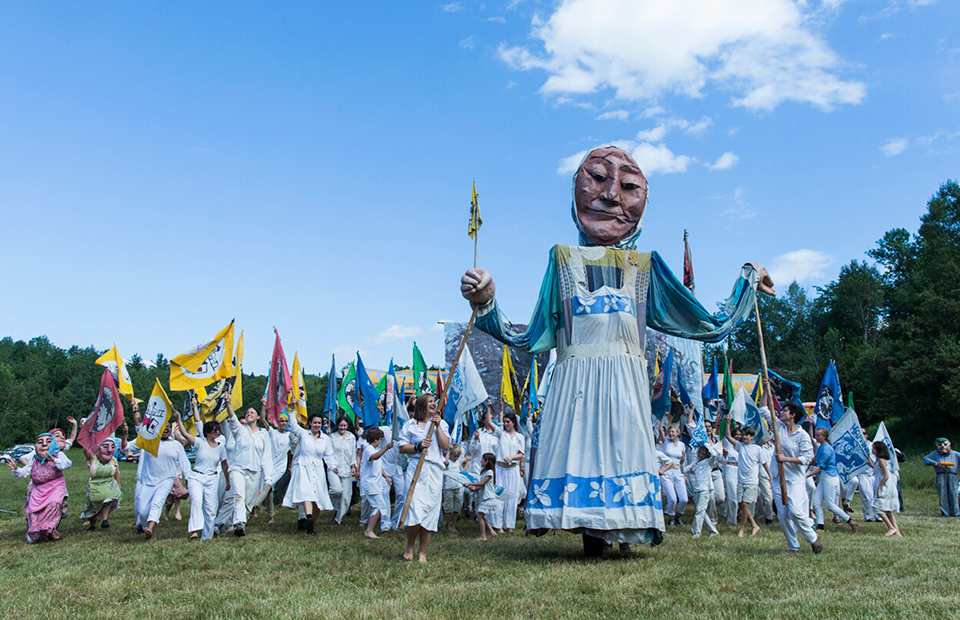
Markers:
(510, 466)
(344, 454)
(485, 439)
(308, 482)
(486, 489)
(886, 502)
(701, 470)
(423, 514)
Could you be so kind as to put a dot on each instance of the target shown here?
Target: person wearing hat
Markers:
(946, 463)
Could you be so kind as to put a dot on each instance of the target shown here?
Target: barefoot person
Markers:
(594, 470)
(374, 484)
(748, 474)
(885, 503)
(424, 513)
(486, 489)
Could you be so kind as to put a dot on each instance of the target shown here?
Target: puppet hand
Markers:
(765, 282)
(477, 286)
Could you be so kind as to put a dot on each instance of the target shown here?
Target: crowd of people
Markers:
(240, 467)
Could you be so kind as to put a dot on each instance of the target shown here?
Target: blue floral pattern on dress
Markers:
(603, 304)
(638, 489)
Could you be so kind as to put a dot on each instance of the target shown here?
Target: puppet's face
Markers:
(42, 446)
(610, 194)
(105, 451)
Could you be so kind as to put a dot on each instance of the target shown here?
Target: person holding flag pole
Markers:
(793, 452)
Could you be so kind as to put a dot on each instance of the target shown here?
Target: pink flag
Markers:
(280, 384)
(106, 417)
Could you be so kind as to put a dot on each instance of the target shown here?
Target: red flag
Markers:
(280, 384)
(106, 417)
(687, 264)
(441, 407)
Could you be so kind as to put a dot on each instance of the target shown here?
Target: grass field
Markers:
(275, 573)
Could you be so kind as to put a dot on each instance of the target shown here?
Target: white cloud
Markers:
(724, 162)
(654, 135)
(763, 51)
(453, 7)
(894, 146)
(395, 332)
(659, 132)
(467, 43)
(799, 266)
(654, 158)
(619, 115)
(700, 127)
(656, 110)
(498, 19)
(740, 209)
(569, 165)
(350, 351)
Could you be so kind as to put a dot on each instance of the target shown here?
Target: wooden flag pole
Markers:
(433, 425)
(773, 411)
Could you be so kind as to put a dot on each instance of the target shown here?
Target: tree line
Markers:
(892, 326)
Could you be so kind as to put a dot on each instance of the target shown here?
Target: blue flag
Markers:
(711, 391)
(853, 451)
(829, 407)
(660, 394)
(366, 397)
(785, 391)
(330, 404)
(466, 389)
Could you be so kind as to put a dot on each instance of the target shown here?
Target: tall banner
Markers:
(466, 389)
(106, 417)
(829, 407)
(236, 400)
(853, 451)
(366, 397)
(297, 398)
(348, 390)
(330, 402)
(884, 436)
(118, 369)
(279, 382)
(204, 363)
(156, 416)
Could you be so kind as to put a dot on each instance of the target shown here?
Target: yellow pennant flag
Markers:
(297, 400)
(506, 382)
(205, 363)
(656, 364)
(475, 221)
(118, 369)
(237, 395)
(156, 417)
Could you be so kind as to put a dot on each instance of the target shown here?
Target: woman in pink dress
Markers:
(47, 491)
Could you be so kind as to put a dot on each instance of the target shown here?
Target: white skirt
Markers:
(427, 497)
(307, 484)
(887, 500)
(595, 469)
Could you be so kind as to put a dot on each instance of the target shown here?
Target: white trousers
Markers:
(730, 492)
(508, 478)
(399, 497)
(675, 487)
(702, 499)
(150, 500)
(865, 484)
(719, 497)
(828, 491)
(795, 518)
(203, 504)
(246, 485)
(764, 499)
(341, 493)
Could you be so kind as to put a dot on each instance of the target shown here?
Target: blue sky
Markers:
(165, 167)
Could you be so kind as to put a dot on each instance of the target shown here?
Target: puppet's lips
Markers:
(606, 213)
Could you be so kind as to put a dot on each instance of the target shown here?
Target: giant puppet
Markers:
(595, 467)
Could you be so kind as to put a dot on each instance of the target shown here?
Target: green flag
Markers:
(728, 396)
(420, 380)
(347, 391)
(382, 384)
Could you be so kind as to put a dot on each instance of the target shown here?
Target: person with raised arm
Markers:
(210, 459)
(47, 490)
(308, 481)
(748, 473)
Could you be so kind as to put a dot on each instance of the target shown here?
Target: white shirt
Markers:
(207, 459)
(509, 446)
(486, 442)
(371, 472)
(766, 453)
(796, 445)
(702, 472)
(390, 458)
(731, 451)
(411, 433)
(164, 466)
(344, 452)
(747, 469)
(280, 447)
(310, 451)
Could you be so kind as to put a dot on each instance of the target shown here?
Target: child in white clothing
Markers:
(748, 474)
(374, 485)
(703, 488)
(487, 489)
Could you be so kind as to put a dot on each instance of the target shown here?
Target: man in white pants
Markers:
(796, 451)
(252, 464)
(156, 475)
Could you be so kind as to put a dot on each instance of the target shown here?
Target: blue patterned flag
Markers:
(366, 397)
(829, 407)
(711, 391)
(746, 413)
(466, 389)
(660, 394)
(786, 391)
(330, 404)
(853, 451)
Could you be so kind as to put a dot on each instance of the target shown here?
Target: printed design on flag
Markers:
(104, 414)
(635, 489)
(824, 403)
(153, 418)
(852, 450)
(602, 304)
(211, 364)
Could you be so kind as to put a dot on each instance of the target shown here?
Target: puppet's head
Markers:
(609, 198)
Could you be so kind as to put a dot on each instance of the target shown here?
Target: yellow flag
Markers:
(506, 382)
(475, 221)
(118, 369)
(297, 400)
(205, 363)
(656, 363)
(214, 404)
(156, 416)
(237, 395)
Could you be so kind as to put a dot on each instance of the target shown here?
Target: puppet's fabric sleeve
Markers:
(541, 334)
(672, 309)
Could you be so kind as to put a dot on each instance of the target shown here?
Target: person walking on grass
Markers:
(796, 451)
(946, 463)
(486, 489)
(828, 483)
(748, 473)
(701, 472)
(424, 512)
(886, 504)
(374, 485)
